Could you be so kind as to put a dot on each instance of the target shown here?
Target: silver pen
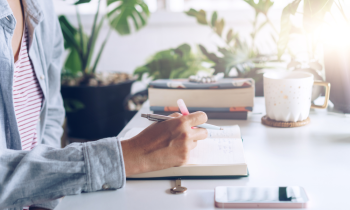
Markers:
(160, 118)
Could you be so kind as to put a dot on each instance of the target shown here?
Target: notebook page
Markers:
(221, 147)
(228, 132)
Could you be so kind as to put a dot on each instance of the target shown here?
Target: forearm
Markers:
(47, 173)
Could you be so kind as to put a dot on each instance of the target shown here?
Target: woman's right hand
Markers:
(163, 144)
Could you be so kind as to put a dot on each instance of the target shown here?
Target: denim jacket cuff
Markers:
(104, 164)
(47, 205)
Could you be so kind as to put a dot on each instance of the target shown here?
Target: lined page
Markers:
(228, 132)
(221, 147)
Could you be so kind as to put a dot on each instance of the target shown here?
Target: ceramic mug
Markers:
(288, 95)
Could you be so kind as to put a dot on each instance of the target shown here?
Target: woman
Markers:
(34, 171)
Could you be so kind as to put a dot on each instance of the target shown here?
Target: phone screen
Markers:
(270, 195)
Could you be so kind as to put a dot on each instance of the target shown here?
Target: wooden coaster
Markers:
(267, 121)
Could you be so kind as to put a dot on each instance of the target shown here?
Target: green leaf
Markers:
(183, 50)
(214, 17)
(100, 52)
(172, 63)
(142, 18)
(261, 26)
(68, 32)
(202, 17)
(120, 14)
(314, 12)
(262, 6)
(135, 21)
(82, 2)
(93, 42)
(72, 105)
(219, 27)
(192, 12)
(229, 36)
(140, 71)
(286, 26)
(211, 56)
(73, 62)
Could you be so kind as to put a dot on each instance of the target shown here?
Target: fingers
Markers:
(194, 135)
(176, 114)
(199, 134)
(197, 118)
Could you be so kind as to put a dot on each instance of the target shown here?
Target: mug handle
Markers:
(327, 85)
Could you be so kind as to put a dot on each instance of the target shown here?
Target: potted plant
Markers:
(94, 101)
(313, 30)
(235, 54)
(173, 63)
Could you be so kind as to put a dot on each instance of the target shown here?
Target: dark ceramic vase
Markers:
(102, 114)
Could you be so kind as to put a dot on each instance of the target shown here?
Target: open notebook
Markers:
(220, 155)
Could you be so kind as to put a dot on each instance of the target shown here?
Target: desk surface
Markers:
(316, 157)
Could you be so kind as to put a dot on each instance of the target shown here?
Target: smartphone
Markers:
(260, 197)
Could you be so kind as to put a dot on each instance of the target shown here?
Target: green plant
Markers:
(172, 63)
(80, 61)
(236, 53)
(313, 16)
(260, 7)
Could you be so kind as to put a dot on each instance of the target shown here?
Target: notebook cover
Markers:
(226, 83)
(191, 177)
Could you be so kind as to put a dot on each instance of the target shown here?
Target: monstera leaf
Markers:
(82, 46)
(123, 10)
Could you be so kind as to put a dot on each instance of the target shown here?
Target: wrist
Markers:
(132, 159)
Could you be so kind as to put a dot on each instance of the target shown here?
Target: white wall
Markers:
(167, 30)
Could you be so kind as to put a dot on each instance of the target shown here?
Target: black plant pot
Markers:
(128, 115)
(337, 66)
(103, 112)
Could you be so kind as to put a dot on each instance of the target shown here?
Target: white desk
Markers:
(316, 156)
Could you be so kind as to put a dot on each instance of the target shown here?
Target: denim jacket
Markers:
(38, 177)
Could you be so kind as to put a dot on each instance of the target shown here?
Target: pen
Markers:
(160, 118)
(182, 107)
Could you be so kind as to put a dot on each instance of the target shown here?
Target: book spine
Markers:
(185, 84)
(217, 115)
(204, 109)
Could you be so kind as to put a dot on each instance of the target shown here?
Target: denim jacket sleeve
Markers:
(47, 173)
(52, 131)
(39, 176)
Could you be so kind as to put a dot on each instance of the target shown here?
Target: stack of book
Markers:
(225, 99)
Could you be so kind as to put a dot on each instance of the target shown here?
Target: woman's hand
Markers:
(163, 144)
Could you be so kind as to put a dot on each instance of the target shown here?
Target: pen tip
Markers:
(221, 129)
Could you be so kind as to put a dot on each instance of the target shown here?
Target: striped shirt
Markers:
(27, 97)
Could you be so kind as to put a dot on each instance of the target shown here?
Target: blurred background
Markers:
(114, 48)
(168, 27)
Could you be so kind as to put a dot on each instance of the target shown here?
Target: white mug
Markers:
(288, 95)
